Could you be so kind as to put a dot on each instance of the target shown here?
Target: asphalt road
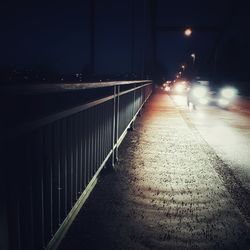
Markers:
(176, 185)
(227, 132)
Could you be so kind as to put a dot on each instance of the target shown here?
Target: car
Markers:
(198, 93)
(179, 87)
(222, 95)
(204, 92)
(166, 86)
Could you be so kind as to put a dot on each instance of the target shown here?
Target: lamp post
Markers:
(193, 68)
(183, 67)
(188, 32)
(193, 56)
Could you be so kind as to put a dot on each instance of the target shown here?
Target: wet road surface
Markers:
(227, 131)
(170, 190)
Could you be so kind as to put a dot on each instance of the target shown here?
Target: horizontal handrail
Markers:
(27, 127)
(61, 87)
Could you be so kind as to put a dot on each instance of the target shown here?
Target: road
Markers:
(227, 131)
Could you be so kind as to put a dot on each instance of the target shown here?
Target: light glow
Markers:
(167, 88)
(188, 32)
(203, 101)
(228, 93)
(199, 92)
(223, 102)
(179, 88)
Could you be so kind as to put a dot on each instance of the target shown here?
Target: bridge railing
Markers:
(55, 140)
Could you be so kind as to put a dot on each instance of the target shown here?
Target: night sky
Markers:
(55, 36)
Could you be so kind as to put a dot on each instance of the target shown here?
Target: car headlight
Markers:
(167, 88)
(199, 91)
(223, 102)
(203, 101)
(179, 88)
(228, 92)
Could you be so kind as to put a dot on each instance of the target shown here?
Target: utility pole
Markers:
(225, 28)
(153, 36)
(143, 48)
(92, 37)
(132, 6)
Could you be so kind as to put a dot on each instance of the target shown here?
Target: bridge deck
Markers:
(164, 194)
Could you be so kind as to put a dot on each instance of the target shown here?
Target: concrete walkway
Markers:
(164, 194)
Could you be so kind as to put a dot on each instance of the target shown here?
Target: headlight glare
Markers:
(223, 102)
(228, 93)
(199, 91)
(179, 88)
(203, 101)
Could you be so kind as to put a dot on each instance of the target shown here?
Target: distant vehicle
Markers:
(166, 86)
(223, 96)
(179, 87)
(203, 92)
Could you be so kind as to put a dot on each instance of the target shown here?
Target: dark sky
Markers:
(46, 34)
(55, 35)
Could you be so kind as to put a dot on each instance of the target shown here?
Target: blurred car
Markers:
(223, 95)
(179, 87)
(166, 86)
(198, 93)
(203, 92)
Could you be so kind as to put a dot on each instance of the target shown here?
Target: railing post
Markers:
(114, 128)
(111, 162)
(141, 102)
(131, 128)
(3, 196)
(117, 120)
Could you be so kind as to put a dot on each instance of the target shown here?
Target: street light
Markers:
(193, 56)
(183, 67)
(188, 32)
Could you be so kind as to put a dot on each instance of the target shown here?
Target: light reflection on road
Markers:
(227, 132)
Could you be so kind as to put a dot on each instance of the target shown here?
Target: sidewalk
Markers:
(164, 194)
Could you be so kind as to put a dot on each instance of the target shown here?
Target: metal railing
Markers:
(51, 163)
